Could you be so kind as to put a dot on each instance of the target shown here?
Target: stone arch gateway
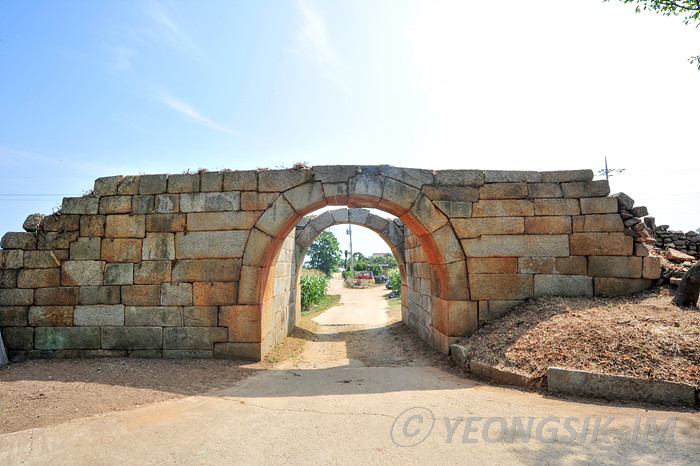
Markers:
(203, 264)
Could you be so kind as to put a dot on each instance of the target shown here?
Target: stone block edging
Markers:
(586, 384)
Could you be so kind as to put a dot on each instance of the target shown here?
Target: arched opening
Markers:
(434, 280)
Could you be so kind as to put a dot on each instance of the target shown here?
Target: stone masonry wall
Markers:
(200, 264)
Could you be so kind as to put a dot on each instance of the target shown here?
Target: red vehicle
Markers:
(365, 275)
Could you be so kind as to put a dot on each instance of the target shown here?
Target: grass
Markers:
(393, 302)
(326, 303)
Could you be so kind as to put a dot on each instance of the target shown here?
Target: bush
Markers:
(394, 280)
(313, 289)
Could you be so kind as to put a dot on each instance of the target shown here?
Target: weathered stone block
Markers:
(365, 190)
(59, 338)
(200, 316)
(18, 338)
(517, 246)
(510, 176)
(335, 173)
(32, 222)
(241, 181)
(206, 270)
(424, 218)
(563, 176)
(243, 322)
(85, 249)
(82, 273)
(119, 273)
(306, 197)
(214, 293)
(184, 183)
(560, 225)
(11, 259)
(282, 180)
(397, 197)
(247, 351)
(167, 203)
(210, 202)
(80, 205)
(59, 296)
(8, 279)
(166, 222)
(176, 294)
(212, 221)
(160, 316)
(493, 309)
(99, 315)
(115, 205)
(500, 286)
(455, 209)
(574, 265)
(601, 244)
(544, 265)
(459, 177)
(88, 295)
(50, 316)
(13, 316)
(121, 250)
(505, 208)
(141, 295)
(153, 184)
(336, 193)
(107, 186)
(641, 250)
(462, 317)
(24, 240)
(61, 222)
(44, 259)
(599, 205)
(278, 219)
(56, 240)
(475, 227)
(563, 285)
(211, 181)
(615, 266)
(125, 226)
(557, 207)
(132, 338)
(38, 278)
(624, 202)
(600, 222)
(152, 272)
(578, 189)
(504, 191)
(651, 267)
(92, 225)
(490, 265)
(142, 205)
(605, 286)
(252, 200)
(129, 185)
(259, 248)
(544, 190)
(193, 338)
(411, 176)
(159, 246)
(210, 244)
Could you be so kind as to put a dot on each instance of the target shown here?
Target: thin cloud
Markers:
(170, 31)
(185, 108)
(122, 60)
(313, 42)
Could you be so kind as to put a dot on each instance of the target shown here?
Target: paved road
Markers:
(342, 411)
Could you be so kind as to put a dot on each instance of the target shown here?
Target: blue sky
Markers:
(90, 89)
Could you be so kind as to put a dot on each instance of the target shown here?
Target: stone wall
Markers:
(200, 264)
(688, 243)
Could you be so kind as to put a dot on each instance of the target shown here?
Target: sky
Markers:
(91, 89)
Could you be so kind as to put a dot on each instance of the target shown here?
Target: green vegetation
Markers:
(313, 288)
(324, 253)
(395, 280)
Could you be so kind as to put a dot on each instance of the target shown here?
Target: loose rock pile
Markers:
(688, 243)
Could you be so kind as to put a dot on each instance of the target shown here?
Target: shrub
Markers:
(394, 280)
(313, 289)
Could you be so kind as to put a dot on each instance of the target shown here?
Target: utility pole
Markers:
(607, 171)
(352, 259)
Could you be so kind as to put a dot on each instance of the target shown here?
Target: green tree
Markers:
(689, 10)
(324, 253)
